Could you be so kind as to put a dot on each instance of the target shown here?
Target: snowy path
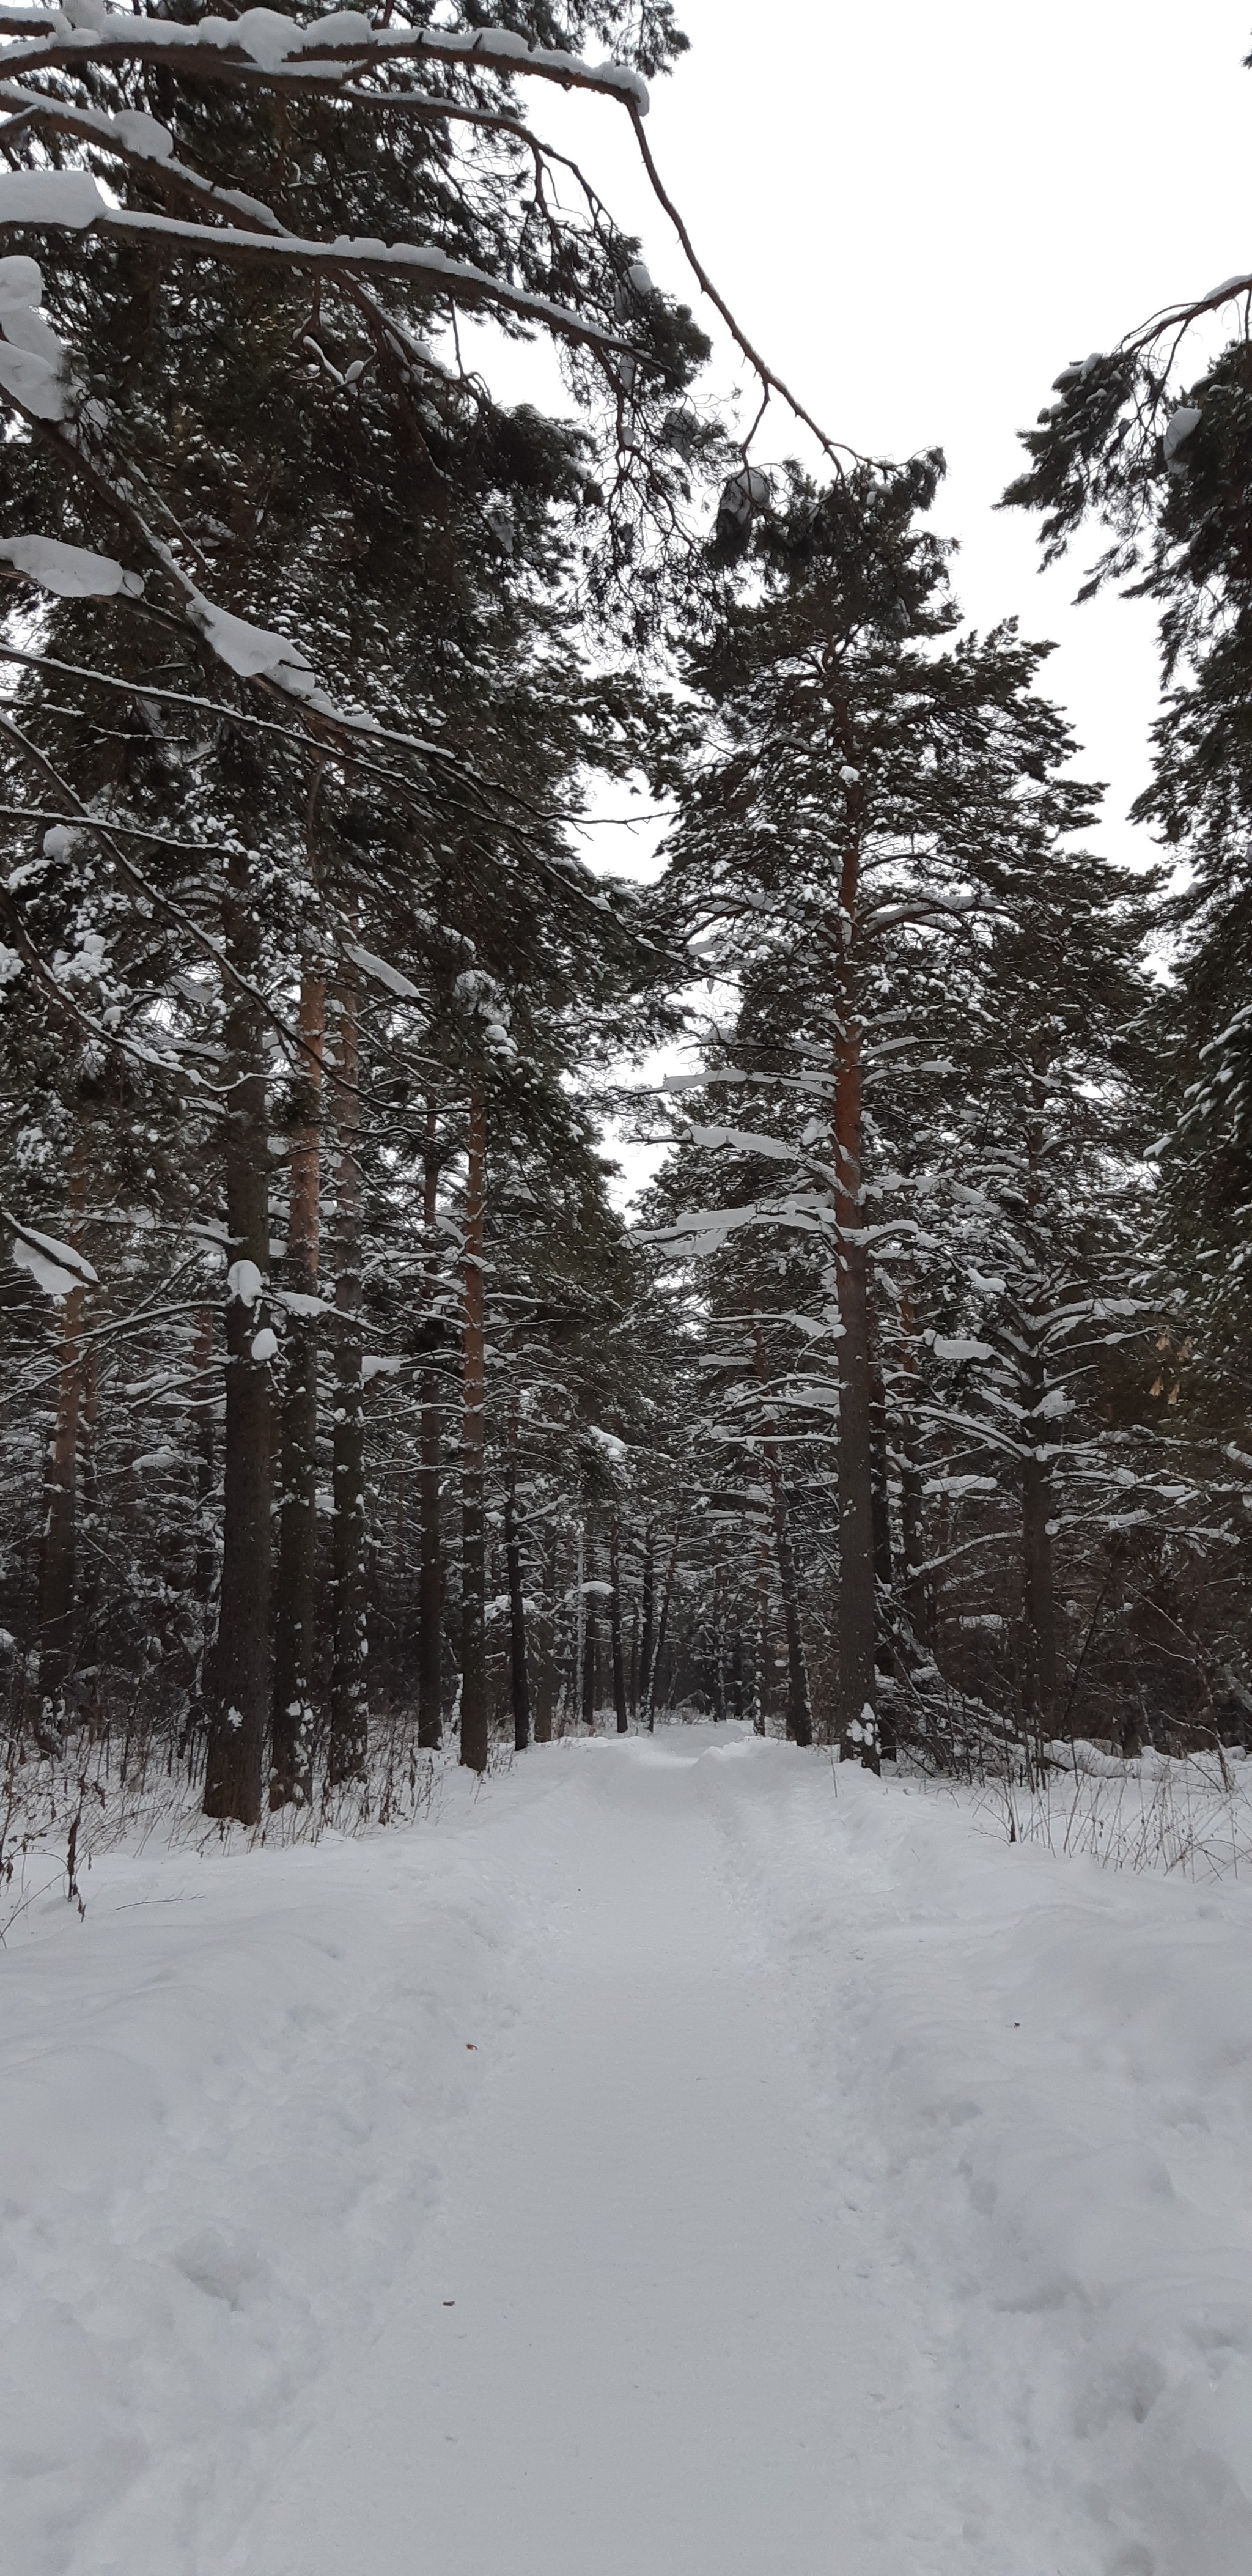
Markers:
(659, 2164)
(669, 2349)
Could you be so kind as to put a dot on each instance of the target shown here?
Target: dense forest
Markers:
(345, 1390)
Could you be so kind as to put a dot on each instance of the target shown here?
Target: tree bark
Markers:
(856, 1692)
(799, 1703)
(918, 1593)
(206, 1467)
(474, 1733)
(205, 1569)
(517, 1602)
(760, 1655)
(546, 1691)
(884, 1572)
(642, 1702)
(717, 1653)
(1038, 1583)
(295, 1607)
(238, 1704)
(615, 1628)
(87, 1579)
(653, 1666)
(348, 1744)
(1038, 1586)
(736, 1675)
(590, 1632)
(430, 1567)
(58, 1556)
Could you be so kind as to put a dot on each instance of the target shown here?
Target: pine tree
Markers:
(290, 431)
(850, 812)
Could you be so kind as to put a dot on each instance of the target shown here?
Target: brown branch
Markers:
(832, 448)
(1179, 317)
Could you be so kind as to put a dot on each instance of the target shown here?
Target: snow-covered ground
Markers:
(677, 2160)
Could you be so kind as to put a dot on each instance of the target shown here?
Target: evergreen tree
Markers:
(853, 806)
(274, 439)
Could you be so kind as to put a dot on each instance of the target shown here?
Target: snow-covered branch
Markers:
(71, 200)
(931, 907)
(263, 47)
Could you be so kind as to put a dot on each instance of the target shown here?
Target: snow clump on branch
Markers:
(747, 492)
(33, 365)
(70, 572)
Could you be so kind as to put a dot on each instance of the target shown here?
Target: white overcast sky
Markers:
(920, 210)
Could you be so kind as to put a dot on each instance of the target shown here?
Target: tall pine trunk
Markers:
(799, 1704)
(736, 1675)
(54, 1656)
(205, 1570)
(239, 1697)
(884, 1654)
(348, 1745)
(647, 1615)
(1038, 1580)
(87, 1577)
(1040, 1593)
(519, 1676)
(918, 1592)
(761, 1645)
(615, 1627)
(1038, 1494)
(653, 1668)
(295, 1606)
(590, 1629)
(430, 1561)
(205, 1576)
(856, 1700)
(717, 1651)
(545, 1693)
(474, 1733)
